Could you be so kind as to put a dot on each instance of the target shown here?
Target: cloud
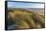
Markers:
(24, 5)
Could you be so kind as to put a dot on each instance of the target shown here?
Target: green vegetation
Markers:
(25, 19)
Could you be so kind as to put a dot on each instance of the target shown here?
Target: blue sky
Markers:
(24, 5)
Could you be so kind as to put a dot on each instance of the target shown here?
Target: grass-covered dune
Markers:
(24, 19)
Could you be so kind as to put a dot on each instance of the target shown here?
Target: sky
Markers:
(27, 0)
(24, 5)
